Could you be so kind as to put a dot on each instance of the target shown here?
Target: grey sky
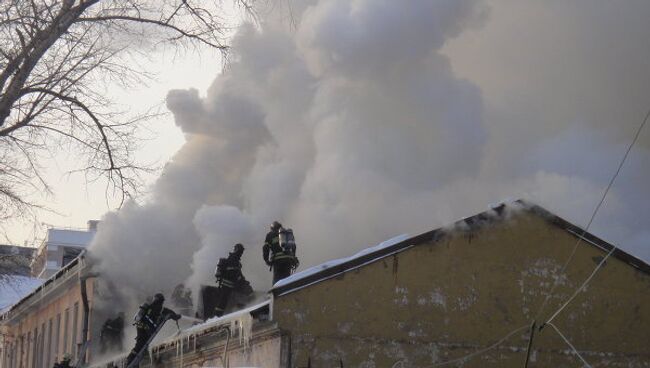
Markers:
(365, 119)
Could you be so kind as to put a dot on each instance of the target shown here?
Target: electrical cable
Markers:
(593, 216)
(569, 343)
(578, 290)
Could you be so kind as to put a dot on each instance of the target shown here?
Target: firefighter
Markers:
(279, 251)
(112, 334)
(229, 279)
(65, 362)
(149, 317)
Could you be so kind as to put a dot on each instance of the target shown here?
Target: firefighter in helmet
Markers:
(230, 278)
(149, 317)
(279, 251)
(112, 334)
(65, 362)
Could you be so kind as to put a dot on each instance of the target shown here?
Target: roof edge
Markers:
(494, 214)
(588, 237)
(60, 273)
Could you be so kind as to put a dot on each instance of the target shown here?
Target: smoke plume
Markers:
(354, 121)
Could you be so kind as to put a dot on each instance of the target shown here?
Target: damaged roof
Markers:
(400, 243)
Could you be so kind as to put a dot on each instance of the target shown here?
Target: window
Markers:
(31, 344)
(22, 347)
(34, 340)
(56, 338)
(73, 342)
(41, 346)
(48, 353)
(15, 353)
(66, 321)
(69, 254)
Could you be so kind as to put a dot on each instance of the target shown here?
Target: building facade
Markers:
(468, 296)
(48, 323)
(473, 295)
(493, 290)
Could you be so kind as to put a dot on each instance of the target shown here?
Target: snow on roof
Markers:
(336, 262)
(14, 288)
(44, 283)
(225, 320)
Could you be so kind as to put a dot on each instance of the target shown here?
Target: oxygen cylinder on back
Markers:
(282, 237)
(287, 241)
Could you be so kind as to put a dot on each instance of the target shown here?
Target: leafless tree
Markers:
(56, 58)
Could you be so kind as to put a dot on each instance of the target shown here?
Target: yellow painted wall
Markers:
(437, 302)
(42, 311)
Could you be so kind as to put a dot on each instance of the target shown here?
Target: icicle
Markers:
(243, 323)
(181, 360)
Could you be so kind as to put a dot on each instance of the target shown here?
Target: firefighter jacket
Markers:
(152, 314)
(273, 251)
(228, 272)
(65, 363)
(112, 327)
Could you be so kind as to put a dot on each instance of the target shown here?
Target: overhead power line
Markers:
(586, 229)
(570, 345)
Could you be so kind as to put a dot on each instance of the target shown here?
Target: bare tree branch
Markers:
(164, 24)
(55, 57)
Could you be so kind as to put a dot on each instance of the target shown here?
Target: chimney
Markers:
(92, 225)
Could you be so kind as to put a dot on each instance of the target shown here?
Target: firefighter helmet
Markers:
(159, 297)
(275, 225)
(239, 247)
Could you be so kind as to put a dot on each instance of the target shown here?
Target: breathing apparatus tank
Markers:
(287, 241)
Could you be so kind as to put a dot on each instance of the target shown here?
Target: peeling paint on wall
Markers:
(434, 298)
(401, 297)
(453, 298)
(466, 301)
(344, 327)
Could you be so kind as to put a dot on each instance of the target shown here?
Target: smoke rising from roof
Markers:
(368, 119)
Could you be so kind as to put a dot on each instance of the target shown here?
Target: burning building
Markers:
(51, 321)
(464, 294)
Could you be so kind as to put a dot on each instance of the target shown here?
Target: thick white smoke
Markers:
(352, 124)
